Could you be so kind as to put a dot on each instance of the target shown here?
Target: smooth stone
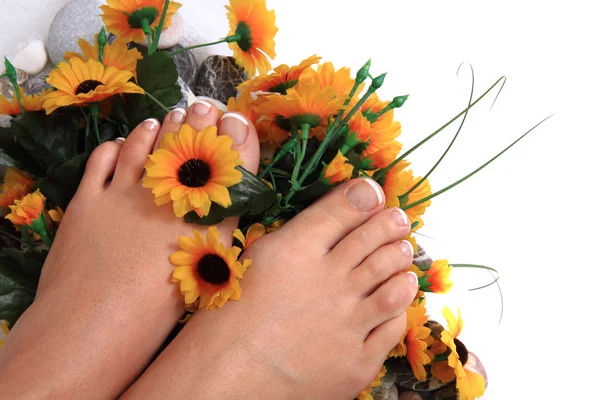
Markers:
(421, 259)
(383, 391)
(474, 364)
(31, 59)
(78, 19)
(170, 36)
(5, 121)
(5, 89)
(187, 66)
(410, 395)
(187, 96)
(35, 84)
(218, 78)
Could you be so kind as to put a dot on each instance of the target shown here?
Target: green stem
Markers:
(416, 203)
(46, 239)
(87, 129)
(451, 143)
(287, 147)
(160, 26)
(382, 172)
(227, 39)
(305, 128)
(161, 105)
(490, 270)
(29, 246)
(148, 32)
(281, 172)
(95, 112)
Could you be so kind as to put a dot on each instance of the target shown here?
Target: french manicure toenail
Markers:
(178, 115)
(120, 139)
(150, 124)
(235, 126)
(365, 195)
(400, 217)
(202, 107)
(412, 278)
(407, 248)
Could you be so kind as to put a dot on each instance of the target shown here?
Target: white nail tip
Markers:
(377, 189)
(205, 103)
(121, 139)
(415, 275)
(236, 116)
(153, 122)
(181, 110)
(412, 251)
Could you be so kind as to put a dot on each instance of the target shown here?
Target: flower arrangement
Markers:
(318, 126)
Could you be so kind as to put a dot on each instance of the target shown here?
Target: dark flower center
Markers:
(213, 269)
(461, 349)
(135, 18)
(194, 173)
(87, 86)
(245, 41)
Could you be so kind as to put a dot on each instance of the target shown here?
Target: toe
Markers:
(388, 301)
(202, 114)
(171, 124)
(339, 212)
(383, 339)
(386, 227)
(135, 152)
(100, 166)
(380, 266)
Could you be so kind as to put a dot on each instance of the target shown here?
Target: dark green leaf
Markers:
(19, 275)
(249, 197)
(60, 187)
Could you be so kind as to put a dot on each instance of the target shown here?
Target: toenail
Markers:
(412, 278)
(407, 249)
(365, 195)
(235, 126)
(150, 124)
(201, 107)
(400, 217)
(178, 115)
(120, 139)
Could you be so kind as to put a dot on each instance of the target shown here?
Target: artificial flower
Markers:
(116, 55)
(27, 210)
(80, 83)
(469, 384)
(15, 186)
(366, 393)
(193, 169)
(326, 76)
(32, 102)
(3, 332)
(206, 271)
(56, 215)
(415, 341)
(338, 170)
(14, 176)
(255, 232)
(255, 26)
(384, 129)
(124, 17)
(398, 181)
(437, 278)
(282, 79)
(305, 103)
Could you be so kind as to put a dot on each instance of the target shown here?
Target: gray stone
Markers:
(187, 66)
(5, 121)
(37, 83)
(218, 78)
(78, 19)
(421, 259)
(387, 390)
(5, 89)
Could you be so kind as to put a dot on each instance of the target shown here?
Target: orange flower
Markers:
(255, 232)
(115, 55)
(327, 76)
(27, 210)
(124, 17)
(305, 103)
(437, 278)
(413, 345)
(16, 185)
(470, 384)
(80, 83)
(15, 176)
(384, 130)
(255, 26)
(56, 215)
(338, 169)
(31, 102)
(398, 181)
(281, 80)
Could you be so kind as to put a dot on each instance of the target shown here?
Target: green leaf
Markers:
(249, 197)
(157, 75)
(19, 276)
(60, 187)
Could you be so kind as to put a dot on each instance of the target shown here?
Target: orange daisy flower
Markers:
(384, 130)
(80, 83)
(115, 55)
(437, 278)
(338, 169)
(255, 26)
(31, 102)
(327, 76)
(255, 232)
(124, 17)
(208, 274)
(305, 103)
(413, 345)
(366, 394)
(281, 80)
(15, 186)
(193, 169)
(28, 210)
(469, 384)
(398, 181)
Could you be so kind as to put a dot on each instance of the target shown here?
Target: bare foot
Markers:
(323, 305)
(105, 302)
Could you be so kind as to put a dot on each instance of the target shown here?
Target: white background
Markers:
(531, 215)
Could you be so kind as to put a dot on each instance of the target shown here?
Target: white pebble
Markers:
(170, 36)
(32, 59)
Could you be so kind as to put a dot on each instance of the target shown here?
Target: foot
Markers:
(322, 306)
(105, 301)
